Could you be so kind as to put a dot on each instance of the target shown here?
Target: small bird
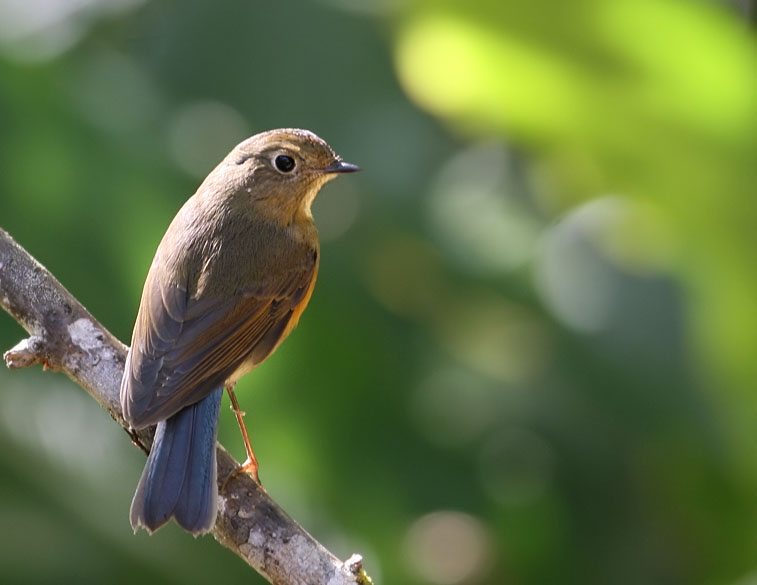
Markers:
(228, 283)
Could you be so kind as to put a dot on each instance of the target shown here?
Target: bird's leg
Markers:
(251, 465)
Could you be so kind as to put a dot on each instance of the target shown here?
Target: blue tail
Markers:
(179, 479)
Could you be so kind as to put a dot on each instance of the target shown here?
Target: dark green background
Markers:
(530, 356)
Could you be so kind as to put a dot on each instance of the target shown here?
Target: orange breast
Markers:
(298, 310)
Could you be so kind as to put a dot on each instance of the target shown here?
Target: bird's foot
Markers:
(250, 467)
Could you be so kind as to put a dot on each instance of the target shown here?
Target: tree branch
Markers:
(66, 338)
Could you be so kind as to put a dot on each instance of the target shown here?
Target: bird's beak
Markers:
(339, 166)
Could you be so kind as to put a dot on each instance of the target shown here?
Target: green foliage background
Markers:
(530, 354)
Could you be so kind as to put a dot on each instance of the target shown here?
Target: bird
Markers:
(228, 283)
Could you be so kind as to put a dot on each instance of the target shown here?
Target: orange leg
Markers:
(251, 465)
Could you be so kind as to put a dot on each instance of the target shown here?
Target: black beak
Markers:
(339, 166)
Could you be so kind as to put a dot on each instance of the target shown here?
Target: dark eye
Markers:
(284, 163)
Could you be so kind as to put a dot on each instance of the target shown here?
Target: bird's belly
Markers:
(244, 368)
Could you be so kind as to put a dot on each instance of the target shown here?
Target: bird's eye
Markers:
(284, 163)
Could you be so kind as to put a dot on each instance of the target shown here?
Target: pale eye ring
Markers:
(284, 163)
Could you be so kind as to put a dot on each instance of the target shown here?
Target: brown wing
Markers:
(183, 349)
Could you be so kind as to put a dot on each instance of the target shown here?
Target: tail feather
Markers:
(179, 479)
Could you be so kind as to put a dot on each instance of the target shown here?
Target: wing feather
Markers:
(184, 348)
